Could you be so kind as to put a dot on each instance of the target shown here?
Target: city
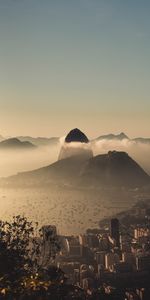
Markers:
(113, 260)
(74, 150)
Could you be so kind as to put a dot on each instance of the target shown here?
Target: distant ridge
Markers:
(76, 135)
(121, 136)
(142, 140)
(40, 141)
(14, 143)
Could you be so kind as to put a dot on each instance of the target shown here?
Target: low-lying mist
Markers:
(14, 161)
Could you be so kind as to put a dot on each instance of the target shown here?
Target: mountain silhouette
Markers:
(121, 136)
(63, 171)
(14, 143)
(76, 135)
(142, 140)
(114, 169)
(76, 143)
(40, 141)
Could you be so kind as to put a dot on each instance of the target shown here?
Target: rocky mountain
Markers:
(14, 143)
(76, 143)
(76, 135)
(113, 169)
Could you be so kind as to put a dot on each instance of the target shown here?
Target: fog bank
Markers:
(14, 161)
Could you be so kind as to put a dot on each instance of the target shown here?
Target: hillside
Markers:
(114, 169)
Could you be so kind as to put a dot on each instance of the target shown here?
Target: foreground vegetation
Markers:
(22, 271)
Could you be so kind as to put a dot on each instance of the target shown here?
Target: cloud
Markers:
(12, 162)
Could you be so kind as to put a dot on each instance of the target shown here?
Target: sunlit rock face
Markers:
(76, 144)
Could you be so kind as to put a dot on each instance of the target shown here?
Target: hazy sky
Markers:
(74, 63)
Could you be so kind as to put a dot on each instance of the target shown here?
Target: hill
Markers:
(112, 136)
(14, 143)
(40, 141)
(142, 140)
(120, 137)
(114, 169)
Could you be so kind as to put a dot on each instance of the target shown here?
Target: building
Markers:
(100, 257)
(141, 232)
(49, 235)
(73, 247)
(128, 257)
(143, 262)
(114, 231)
(123, 267)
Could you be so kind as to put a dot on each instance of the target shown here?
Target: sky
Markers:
(74, 63)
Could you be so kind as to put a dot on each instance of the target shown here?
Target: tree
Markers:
(21, 247)
(26, 269)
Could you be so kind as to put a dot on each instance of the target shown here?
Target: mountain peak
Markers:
(76, 135)
(76, 144)
(116, 168)
(122, 136)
